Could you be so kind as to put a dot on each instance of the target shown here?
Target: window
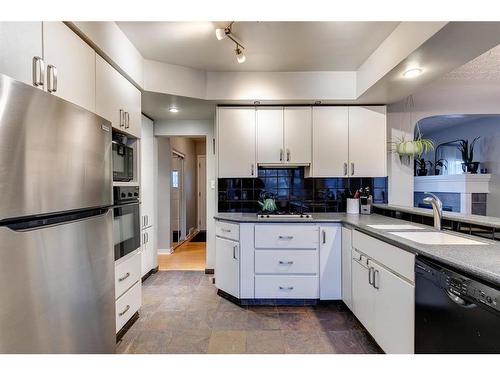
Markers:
(175, 179)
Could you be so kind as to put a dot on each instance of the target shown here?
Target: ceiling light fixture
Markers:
(412, 73)
(222, 33)
(174, 109)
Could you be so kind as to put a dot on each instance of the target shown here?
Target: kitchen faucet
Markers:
(437, 209)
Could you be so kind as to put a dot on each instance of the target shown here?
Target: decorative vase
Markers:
(421, 172)
(471, 167)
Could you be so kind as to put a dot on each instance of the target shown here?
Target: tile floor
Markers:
(182, 313)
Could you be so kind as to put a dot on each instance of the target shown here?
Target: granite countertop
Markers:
(481, 261)
(488, 221)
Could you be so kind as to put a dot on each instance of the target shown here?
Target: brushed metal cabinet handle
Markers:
(345, 169)
(38, 71)
(121, 118)
(324, 237)
(285, 237)
(352, 169)
(235, 247)
(124, 311)
(288, 154)
(252, 169)
(127, 120)
(51, 78)
(225, 230)
(286, 287)
(127, 275)
(370, 272)
(375, 273)
(290, 262)
(281, 154)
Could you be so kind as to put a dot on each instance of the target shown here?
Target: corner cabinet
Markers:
(236, 142)
(117, 100)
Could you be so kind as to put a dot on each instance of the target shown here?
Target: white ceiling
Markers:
(270, 46)
(156, 106)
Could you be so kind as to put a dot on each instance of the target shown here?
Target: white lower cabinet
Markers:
(227, 266)
(330, 258)
(127, 288)
(148, 250)
(347, 267)
(127, 305)
(383, 300)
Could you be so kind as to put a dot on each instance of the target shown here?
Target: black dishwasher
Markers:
(454, 313)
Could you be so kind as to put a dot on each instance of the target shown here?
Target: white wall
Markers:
(164, 153)
(453, 95)
(204, 128)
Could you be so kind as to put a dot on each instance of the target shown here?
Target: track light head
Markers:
(240, 56)
(220, 33)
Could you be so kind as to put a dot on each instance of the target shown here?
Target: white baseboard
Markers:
(165, 251)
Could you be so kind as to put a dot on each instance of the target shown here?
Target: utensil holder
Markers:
(353, 206)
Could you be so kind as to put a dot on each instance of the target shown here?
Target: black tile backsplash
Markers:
(293, 191)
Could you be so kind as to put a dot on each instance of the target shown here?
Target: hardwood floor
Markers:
(190, 256)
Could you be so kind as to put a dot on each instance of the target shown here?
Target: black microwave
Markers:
(123, 162)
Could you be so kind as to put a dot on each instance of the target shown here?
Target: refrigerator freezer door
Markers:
(54, 155)
(57, 288)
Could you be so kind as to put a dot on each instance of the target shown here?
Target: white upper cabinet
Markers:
(20, 43)
(270, 135)
(367, 141)
(298, 133)
(236, 142)
(69, 64)
(117, 99)
(330, 146)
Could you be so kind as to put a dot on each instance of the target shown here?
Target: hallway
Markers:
(190, 256)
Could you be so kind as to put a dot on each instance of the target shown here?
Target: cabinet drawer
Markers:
(286, 287)
(127, 273)
(273, 236)
(286, 262)
(392, 257)
(127, 305)
(227, 230)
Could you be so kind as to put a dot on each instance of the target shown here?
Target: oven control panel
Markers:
(123, 194)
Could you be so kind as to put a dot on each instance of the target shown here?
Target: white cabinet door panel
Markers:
(347, 267)
(147, 173)
(227, 266)
(75, 64)
(330, 262)
(19, 43)
(394, 312)
(362, 294)
(148, 250)
(236, 142)
(367, 141)
(330, 132)
(127, 305)
(270, 135)
(298, 134)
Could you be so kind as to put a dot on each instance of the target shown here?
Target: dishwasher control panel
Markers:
(465, 287)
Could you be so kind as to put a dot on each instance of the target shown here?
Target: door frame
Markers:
(199, 185)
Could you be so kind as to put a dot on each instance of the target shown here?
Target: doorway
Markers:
(188, 180)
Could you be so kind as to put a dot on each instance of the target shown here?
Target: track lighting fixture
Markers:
(223, 33)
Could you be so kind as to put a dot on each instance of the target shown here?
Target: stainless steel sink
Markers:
(436, 238)
(394, 226)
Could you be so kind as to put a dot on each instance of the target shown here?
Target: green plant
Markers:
(467, 150)
(417, 147)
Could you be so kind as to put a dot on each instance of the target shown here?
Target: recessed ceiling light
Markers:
(173, 109)
(412, 73)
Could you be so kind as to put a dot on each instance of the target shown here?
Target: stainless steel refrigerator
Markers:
(56, 244)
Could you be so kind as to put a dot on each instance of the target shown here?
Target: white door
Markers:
(330, 134)
(147, 173)
(330, 269)
(74, 63)
(270, 135)
(298, 134)
(362, 293)
(20, 42)
(367, 141)
(202, 192)
(227, 266)
(148, 251)
(236, 142)
(394, 312)
(347, 266)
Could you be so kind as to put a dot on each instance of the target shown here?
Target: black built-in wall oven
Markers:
(126, 220)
